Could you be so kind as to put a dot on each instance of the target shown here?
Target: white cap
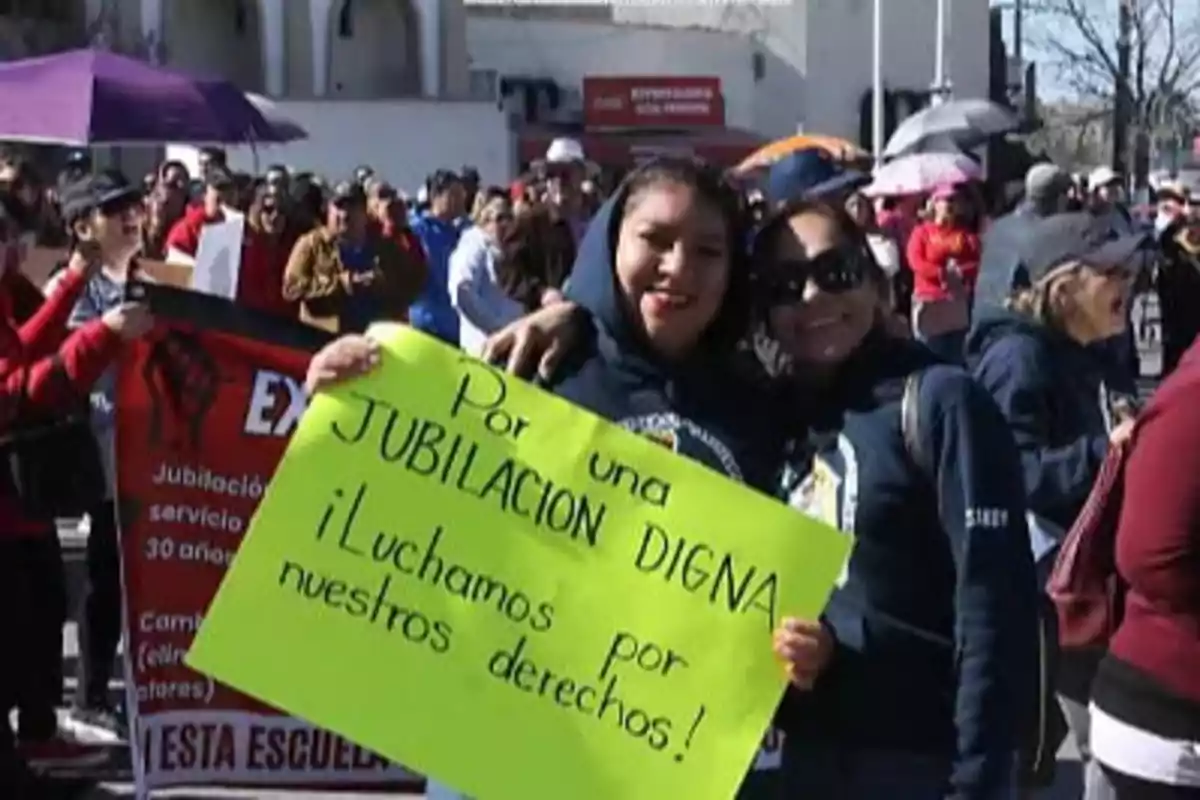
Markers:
(423, 195)
(1101, 176)
(564, 150)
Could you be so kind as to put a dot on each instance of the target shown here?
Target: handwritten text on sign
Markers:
(507, 593)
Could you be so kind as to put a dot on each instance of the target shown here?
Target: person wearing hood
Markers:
(927, 686)
(482, 305)
(1047, 188)
(665, 293)
(1039, 360)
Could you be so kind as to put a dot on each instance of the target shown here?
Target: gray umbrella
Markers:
(961, 123)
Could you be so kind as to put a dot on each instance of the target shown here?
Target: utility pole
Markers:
(941, 87)
(1019, 32)
(877, 108)
(1123, 107)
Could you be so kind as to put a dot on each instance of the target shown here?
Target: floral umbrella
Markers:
(922, 172)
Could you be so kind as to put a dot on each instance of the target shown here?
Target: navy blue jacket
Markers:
(703, 409)
(936, 616)
(1057, 397)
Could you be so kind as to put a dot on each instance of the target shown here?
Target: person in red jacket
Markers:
(269, 239)
(1145, 712)
(389, 215)
(220, 192)
(943, 253)
(44, 367)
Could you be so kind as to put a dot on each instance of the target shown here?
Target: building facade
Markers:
(298, 49)
(784, 66)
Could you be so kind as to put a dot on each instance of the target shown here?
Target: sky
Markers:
(1039, 26)
(1050, 86)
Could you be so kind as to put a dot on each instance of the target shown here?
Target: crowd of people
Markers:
(938, 375)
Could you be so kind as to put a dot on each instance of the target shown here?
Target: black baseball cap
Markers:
(218, 177)
(442, 180)
(109, 188)
(1078, 236)
(348, 193)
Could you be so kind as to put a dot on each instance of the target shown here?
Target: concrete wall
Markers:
(814, 59)
(568, 51)
(403, 139)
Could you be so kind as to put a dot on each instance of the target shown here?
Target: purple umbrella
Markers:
(86, 97)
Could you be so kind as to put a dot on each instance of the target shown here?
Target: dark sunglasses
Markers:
(118, 206)
(834, 271)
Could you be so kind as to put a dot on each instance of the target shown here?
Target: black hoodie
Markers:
(703, 408)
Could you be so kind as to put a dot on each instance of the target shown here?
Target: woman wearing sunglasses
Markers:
(930, 686)
(927, 690)
(1042, 360)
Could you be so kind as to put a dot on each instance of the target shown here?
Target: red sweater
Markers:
(54, 366)
(1158, 539)
(406, 240)
(260, 276)
(930, 249)
(184, 235)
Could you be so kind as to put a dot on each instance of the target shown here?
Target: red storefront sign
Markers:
(653, 102)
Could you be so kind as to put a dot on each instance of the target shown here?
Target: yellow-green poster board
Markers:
(511, 595)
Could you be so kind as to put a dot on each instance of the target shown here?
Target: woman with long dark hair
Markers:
(923, 682)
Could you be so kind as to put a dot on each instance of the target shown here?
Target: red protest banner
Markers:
(206, 405)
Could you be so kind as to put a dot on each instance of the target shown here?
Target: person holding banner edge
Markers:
(103, 214)
(660, 275)
(931, 689)
(48, 368)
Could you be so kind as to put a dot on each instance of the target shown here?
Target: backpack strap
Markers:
(910, 421)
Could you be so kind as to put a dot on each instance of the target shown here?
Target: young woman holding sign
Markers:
(666, 295)
(933, 677)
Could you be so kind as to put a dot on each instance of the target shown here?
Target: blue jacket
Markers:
(936, 615)
(703, 409)
(1057, 396)
(432, 312)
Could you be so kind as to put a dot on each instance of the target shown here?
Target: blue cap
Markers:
(810, 174)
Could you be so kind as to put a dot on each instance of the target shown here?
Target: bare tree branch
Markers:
(1079, 40)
